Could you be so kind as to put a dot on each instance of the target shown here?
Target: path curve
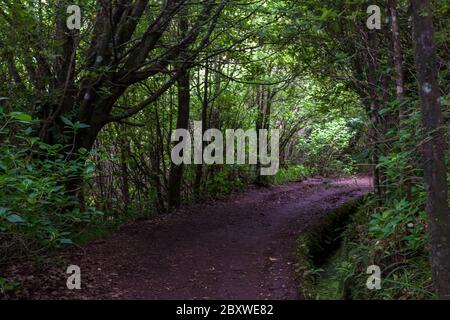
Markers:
(237, 248)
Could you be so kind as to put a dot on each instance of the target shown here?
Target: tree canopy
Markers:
(92, 91)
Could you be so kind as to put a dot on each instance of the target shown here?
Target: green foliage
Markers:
(292, 173)
(393, 238)
(323, 149)
(37, 213)
(222, 183)
(300, 66)
(403, 218)
(7, 286)
(315, 246)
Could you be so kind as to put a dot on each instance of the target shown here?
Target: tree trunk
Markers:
(435, 172)
(124, 151)
(260, 100)
(158, 162)
(183, 81)
(176, 171)
(397, 57)
(372, 62)
(205, 103)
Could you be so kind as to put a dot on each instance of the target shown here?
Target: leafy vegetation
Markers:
(37, 214)
(396, 240)
(87, 116)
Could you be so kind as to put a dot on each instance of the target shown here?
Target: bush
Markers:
(324, 148)
(224, 181)
(395, 239)
(291, 173)
(36, 212)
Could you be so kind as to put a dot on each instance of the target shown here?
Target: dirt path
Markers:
(238, 248)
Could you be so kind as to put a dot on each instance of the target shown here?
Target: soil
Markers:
(241, 247)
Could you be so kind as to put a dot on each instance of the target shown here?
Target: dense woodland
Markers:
(87, 116)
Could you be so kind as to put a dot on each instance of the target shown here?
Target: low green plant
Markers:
(393, 238)
(224, 181)
(37, 214)
(291, 173)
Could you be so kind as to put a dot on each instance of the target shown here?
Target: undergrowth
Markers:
(392, 238)
(291, 173)
(395, 240)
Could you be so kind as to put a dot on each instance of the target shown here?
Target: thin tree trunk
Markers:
(199, 169)
(183, 81)
(158, 163)
(397, 57)
(371, 57)
(435, 171)
(176, 171)
(124, 151)
(399, 79)
(260, 100)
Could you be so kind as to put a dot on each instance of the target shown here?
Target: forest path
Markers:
(237, 248)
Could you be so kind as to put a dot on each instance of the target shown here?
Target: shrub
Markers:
(394, 238)
(291, 173)
(323, 150)
(37, 214)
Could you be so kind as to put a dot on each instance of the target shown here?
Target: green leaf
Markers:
(66, 121)
(65, 241)
(21, 116)
(14, 218)
(3, 211)
(79, 125)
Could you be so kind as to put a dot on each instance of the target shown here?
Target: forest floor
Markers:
(241, 247)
